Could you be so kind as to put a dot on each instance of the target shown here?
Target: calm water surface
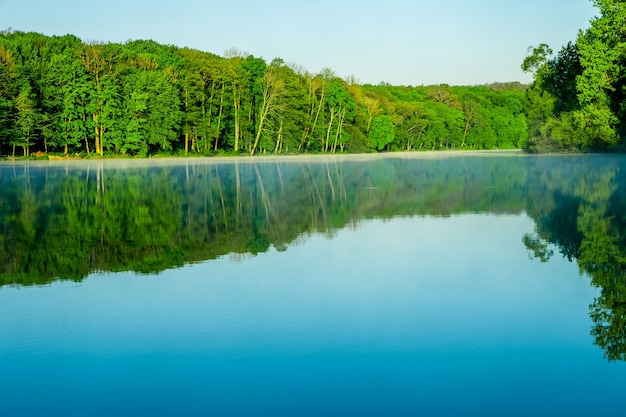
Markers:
(449, 285)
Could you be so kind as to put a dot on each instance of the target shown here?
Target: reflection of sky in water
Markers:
(443, 316)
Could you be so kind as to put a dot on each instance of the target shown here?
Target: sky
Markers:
(401, 42)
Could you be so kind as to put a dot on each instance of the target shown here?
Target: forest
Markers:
(577, 101)
(62, 96)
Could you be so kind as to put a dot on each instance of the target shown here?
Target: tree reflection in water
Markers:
(67, 221)
(583, 215)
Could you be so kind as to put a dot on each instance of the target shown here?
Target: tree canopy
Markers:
(61, 95)
(578, 99)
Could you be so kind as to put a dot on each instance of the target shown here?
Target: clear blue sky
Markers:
(403, 42)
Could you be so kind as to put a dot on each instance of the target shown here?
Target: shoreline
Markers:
(177, 160)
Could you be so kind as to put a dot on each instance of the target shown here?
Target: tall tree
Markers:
(66, 98)
(8, 77)
(26, 120)
(577, 100)
(272, 89)
(382, 132)
(238, 82)
(341, 108)
(100, 62)
(602, 51)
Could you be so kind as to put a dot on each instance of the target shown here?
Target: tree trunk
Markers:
(262, 117)
(467, 126)
(342, 114)
(330, 125)
(236, 105)
(279, 139)
(219, 117)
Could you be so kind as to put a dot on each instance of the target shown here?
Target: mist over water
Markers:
(449, 285)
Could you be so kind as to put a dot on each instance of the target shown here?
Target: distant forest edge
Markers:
(61, 95)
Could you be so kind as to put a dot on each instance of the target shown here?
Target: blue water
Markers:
(413, 316)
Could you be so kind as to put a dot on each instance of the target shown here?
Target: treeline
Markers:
(578, 99)
(61, 95)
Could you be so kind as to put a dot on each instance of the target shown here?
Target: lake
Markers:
(446, 284)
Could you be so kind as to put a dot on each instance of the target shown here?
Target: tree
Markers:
(8, 76)
(317, 87)
(580, 92)
(600, 85)
(192, 85)
(341, 107)
(66, 98)
(537, 60)
(105, 107)
(560, 79)
(372, 106)
(382, 132)
(290, 123)
(26, 119)
(272, 91)
(471, 113)
(238, 82)
(151, 112)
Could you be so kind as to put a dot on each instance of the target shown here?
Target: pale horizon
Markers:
(397, 42)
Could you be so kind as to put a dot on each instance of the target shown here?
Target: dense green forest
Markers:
(61, 95)
(578, 99)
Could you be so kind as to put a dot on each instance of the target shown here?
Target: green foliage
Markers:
(382, 132)
(60, 95)
(443, 117)
(537, 60)
(560, 78)
(578, 98)
(152, 113)
(26, 119)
